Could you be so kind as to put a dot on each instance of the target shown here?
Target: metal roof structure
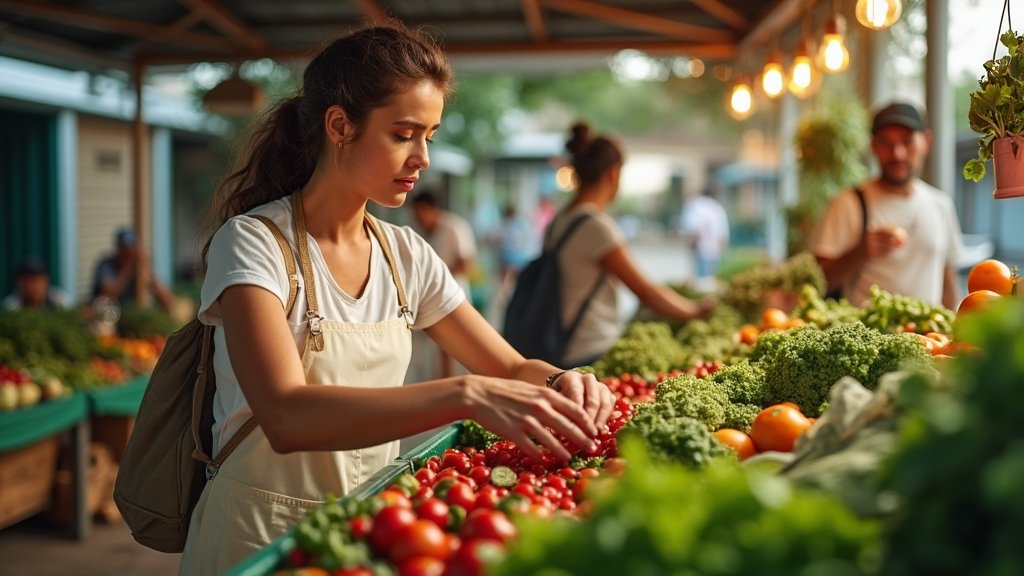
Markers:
(126, 33)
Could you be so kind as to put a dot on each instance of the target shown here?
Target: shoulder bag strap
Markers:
(313, 317)
(403, 301)
(578, 317)
(205, 363)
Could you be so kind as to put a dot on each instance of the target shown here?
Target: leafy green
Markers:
(749, 290)
(646, 349)
(958, 469)
(674, 437)
(475, 435)
(718, 521)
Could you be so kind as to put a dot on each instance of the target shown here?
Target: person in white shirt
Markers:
(323, 379)
(911, 238)
(448, 234)
(705, 225)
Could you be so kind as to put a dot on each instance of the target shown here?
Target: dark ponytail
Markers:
(592, 156)
(359, 72)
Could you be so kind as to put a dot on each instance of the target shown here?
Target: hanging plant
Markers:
(997, 113)
(830, 146)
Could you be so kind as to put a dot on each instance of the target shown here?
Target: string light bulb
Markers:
(878, 14)
(833, 56)
(802, 74)
(773, 77)
(741, 100)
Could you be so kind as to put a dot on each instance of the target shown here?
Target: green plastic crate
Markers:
(269, 558)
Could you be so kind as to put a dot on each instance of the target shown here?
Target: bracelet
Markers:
(550, 381)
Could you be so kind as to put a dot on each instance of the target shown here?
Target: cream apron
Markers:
(257, 494)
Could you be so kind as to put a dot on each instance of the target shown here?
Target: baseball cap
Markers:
(899, 114)
(125, 237)
(32, 266)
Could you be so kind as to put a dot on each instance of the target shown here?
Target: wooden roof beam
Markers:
(782, 15)
(373, 11)
(534, 20)
(724, 13)
(111, 24)
(640, 21)
(223, 20)
(721, 51)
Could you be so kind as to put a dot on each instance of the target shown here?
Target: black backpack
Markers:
(533, 318)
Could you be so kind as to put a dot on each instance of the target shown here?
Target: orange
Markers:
(748, 334)
(774, 318)
(976, 300)
(777, 428)
(738, 441)
(990, 275)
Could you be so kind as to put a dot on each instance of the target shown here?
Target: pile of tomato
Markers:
(636, 389)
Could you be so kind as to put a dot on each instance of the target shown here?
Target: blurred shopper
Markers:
(515, 246)
(115, 275)
(705, 226)
(323, 381)
(595, 259)
(910, 238)
(448, 234)
(32, 289)
(452, 238)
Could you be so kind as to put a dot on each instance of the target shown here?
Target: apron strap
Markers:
(403, 301)
(313, 317)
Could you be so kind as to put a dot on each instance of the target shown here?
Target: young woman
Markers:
(323, 380)
(595, 258)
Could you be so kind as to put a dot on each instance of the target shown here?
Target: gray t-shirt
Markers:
(580, 262)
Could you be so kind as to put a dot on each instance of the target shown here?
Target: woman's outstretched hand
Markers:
(534, 417)
(587, 391)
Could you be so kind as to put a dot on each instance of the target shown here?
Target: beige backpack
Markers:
(164, 466)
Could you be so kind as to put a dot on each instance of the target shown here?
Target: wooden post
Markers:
(138, 189)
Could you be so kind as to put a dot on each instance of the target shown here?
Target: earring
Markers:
(339, 144)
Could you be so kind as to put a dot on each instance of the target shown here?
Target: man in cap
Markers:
(32, 289)
(115, 275)
(895, 231)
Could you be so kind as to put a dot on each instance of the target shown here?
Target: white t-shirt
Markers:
(914, 269)
(580, 263)
(244, 251)
(453, 241)
(706, 219)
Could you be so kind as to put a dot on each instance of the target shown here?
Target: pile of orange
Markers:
(775, 428)
(988, 281)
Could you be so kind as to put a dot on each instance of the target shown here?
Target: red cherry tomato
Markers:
(421, 566)
(460, 494)
(421, 538)
(483, 524)
(435, 510)
(387, 525)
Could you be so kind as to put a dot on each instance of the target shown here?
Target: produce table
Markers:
(269, 558)
(119, 400)
(26, 426)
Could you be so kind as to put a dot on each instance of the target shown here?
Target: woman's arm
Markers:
(660, 298)
(471, 340)
(296, 416)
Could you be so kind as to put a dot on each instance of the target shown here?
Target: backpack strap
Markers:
(313, 317)
(206, 362)
(578, 317)
(403, 302)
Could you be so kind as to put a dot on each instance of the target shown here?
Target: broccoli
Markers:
(647, 349)
(824, 313)
(895, 352)
(743, 383)
(740, 416)
(475, 435)
(674, 437)
(697, 398)
(807, 362)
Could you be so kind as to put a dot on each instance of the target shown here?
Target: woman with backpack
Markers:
(595, 259)
(322, 382)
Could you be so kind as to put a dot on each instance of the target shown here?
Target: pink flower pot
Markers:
(1008, 167)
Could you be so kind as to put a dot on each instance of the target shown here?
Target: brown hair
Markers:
(360, 72)
(592, 155)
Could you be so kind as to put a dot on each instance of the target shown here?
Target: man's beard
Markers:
(889, 178)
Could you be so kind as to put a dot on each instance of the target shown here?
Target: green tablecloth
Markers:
(119, 400)
(27, 425)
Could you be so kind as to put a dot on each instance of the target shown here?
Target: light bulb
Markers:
(741, 102)
(878, 14)
(802, 76)
(773, 80)
(833, 56)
